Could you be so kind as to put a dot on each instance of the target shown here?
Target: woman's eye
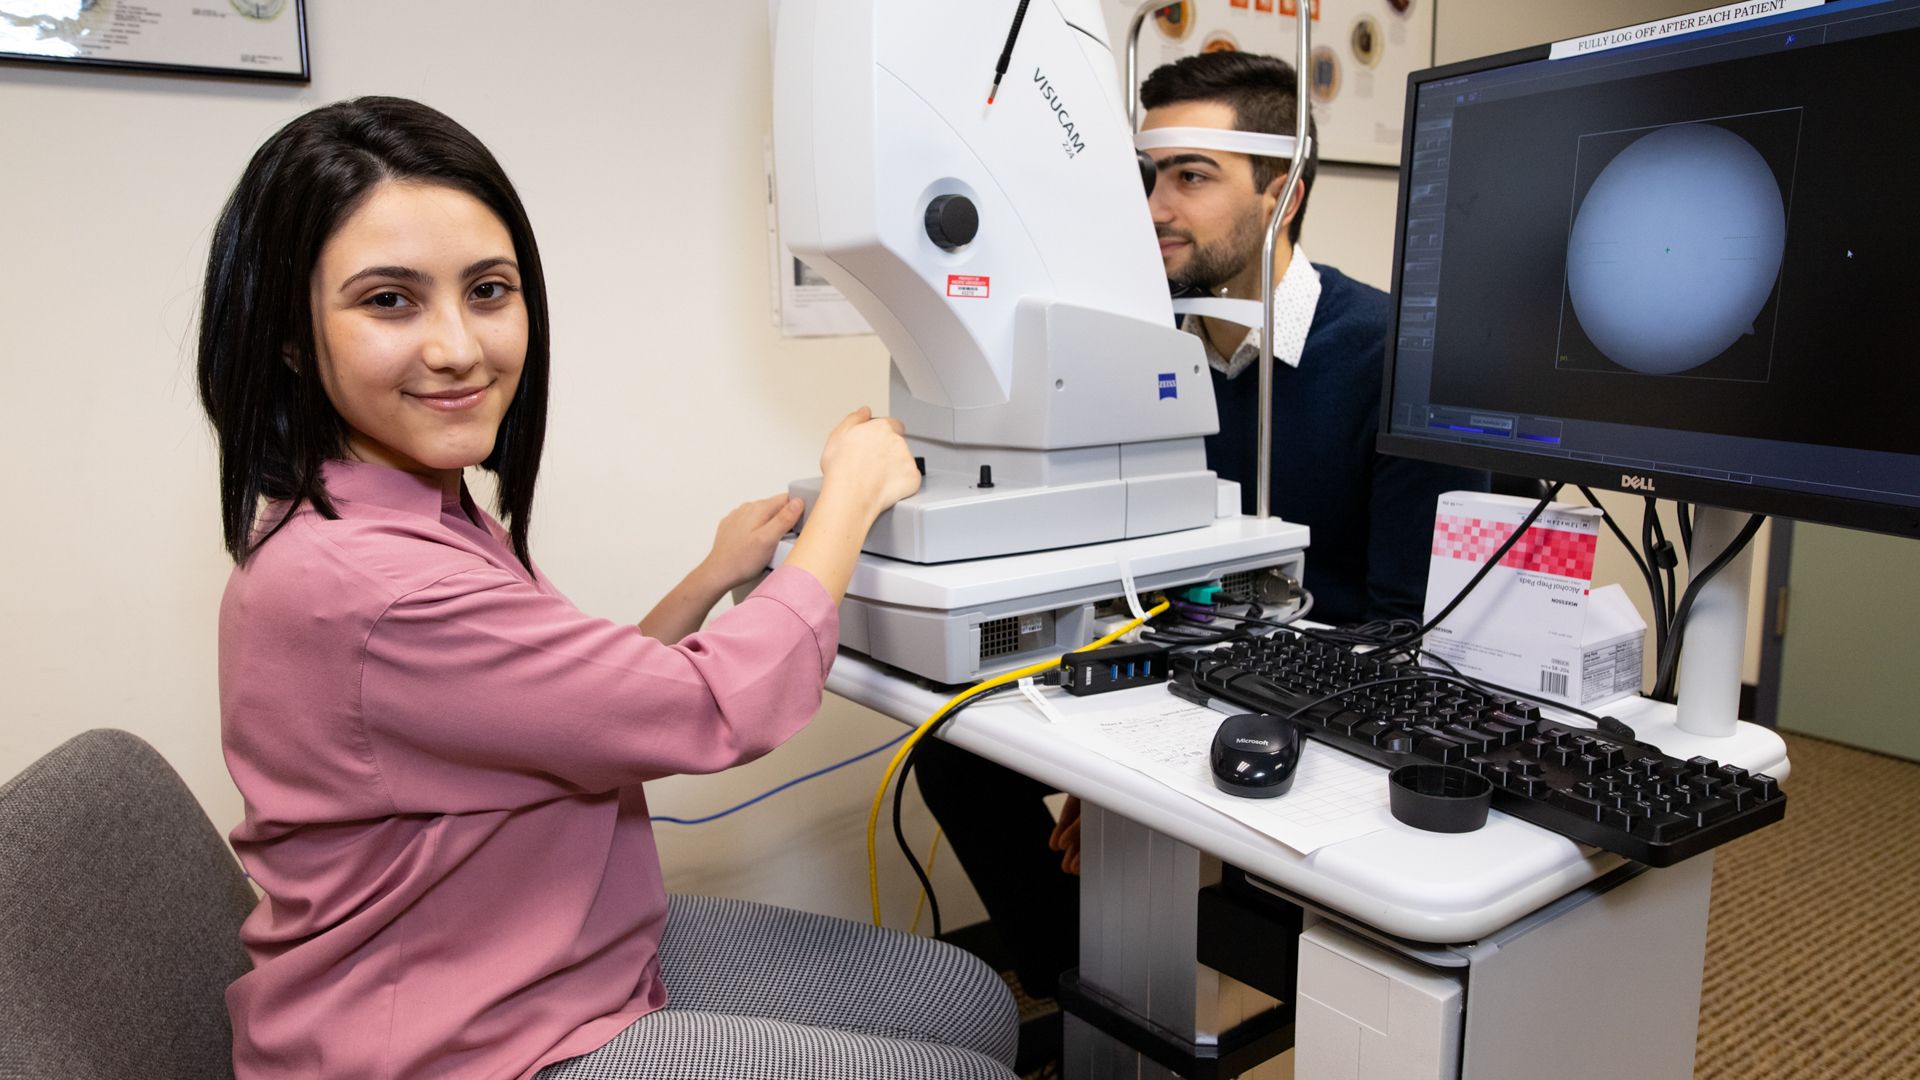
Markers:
(491, 290)
(390, 301)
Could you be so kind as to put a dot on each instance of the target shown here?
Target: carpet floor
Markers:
(1813, 949)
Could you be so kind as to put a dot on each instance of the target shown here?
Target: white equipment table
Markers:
(1508, 952)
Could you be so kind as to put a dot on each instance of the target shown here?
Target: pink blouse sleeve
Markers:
(482, 692)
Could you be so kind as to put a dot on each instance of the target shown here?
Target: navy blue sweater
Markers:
(1371, 516)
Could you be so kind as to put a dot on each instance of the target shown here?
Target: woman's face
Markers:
(420, 327)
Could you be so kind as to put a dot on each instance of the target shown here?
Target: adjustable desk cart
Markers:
(1509, 953)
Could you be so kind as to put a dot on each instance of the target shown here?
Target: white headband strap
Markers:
(1253, 143)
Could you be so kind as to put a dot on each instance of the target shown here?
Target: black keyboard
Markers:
(1616, 794)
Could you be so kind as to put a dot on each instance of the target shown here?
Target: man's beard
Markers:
(1213, 265)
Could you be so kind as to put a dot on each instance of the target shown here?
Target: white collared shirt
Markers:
(1294, 302)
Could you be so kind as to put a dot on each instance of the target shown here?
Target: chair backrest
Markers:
(120, 912)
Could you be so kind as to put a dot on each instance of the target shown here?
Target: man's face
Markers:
(1210, 220)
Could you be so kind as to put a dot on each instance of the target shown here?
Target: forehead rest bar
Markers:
(1252, 143)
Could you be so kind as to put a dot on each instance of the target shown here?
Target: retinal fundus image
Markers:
(1675, 250)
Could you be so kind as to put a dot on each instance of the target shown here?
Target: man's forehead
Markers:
(1217, 115)
(1195, 131)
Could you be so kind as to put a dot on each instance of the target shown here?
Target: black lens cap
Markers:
(1439, 798)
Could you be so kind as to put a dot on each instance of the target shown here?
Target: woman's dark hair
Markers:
(1261, 91)
(262, 392)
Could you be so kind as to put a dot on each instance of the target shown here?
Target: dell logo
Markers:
(1630, 482)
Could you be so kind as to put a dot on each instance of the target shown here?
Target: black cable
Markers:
(1526, 523)
(1006, 54)
(1669, 658)
(1250, 620)
(1658, 594)
(1188, 635)
(1684, 511)
(899, 796)
(1377, 632)
(1646, 574)
(1661, 555)
(1330, 636)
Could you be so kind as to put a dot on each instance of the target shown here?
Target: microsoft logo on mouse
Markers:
(1261, 743)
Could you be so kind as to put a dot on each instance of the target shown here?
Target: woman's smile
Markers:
(458, 399)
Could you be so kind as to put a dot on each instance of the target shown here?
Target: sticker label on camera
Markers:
(968, 286)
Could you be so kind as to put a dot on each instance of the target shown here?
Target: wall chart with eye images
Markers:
(1362, 53)
(264, 39)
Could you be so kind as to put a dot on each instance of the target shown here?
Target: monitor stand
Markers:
(1710, 666)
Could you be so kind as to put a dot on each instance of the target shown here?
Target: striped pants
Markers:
(763, 993)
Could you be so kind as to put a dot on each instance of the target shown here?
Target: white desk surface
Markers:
(1413, 884)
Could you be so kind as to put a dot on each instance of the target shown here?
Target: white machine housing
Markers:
(1044, 348)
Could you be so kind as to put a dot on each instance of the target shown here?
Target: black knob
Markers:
(986, 476)
(952, 221)
(921, 464)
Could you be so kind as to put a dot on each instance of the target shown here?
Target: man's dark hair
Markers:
(258, 381)
(1259, 89)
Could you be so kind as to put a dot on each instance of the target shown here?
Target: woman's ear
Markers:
(290, 357)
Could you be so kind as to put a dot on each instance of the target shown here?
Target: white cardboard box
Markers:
(1536, 623)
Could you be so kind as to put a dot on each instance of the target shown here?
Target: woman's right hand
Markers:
(868, 460)
(865, 468)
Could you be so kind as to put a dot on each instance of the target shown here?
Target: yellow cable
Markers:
(900, 755)
(932, 853)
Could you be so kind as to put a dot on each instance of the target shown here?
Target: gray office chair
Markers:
(120, 912)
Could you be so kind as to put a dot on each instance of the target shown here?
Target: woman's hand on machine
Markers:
(744, 541)
(865, 468)
(869, 459)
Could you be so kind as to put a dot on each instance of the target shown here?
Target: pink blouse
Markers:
(442, 762)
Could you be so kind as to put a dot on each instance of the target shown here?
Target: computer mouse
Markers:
(1255, 754)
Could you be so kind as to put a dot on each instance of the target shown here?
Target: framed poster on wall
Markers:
(261, 39)
(1362, 53)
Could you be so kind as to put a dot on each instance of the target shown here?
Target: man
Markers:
(1371, 516)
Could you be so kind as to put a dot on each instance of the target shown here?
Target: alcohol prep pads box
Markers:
(1535, 622)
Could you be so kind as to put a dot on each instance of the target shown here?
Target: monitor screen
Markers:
(1687, 267)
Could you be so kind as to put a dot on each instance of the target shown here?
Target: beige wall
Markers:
(1470, 28)
(641, 162)
(640, 159)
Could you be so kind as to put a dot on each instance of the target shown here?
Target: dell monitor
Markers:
(1682, 266)
(1676, 260)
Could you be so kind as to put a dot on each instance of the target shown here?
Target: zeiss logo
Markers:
(1636, 483)
(1169, 388)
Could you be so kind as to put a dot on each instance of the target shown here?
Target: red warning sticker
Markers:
(969, 286)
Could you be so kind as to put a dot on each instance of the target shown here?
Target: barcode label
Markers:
(1553, 682)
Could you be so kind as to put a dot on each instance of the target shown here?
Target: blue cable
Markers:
(796, 780)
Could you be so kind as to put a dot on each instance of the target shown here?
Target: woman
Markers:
(441, 757)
